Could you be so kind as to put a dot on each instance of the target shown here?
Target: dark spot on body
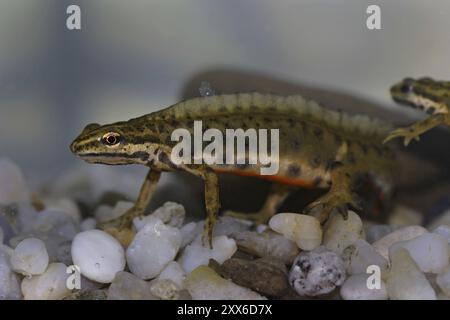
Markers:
(318, 132)
(294, 170)
(295, 144)
(315, 161)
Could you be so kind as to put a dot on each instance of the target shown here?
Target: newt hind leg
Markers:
(276, 197)
(340, 197)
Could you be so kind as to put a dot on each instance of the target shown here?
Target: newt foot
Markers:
(409, 134)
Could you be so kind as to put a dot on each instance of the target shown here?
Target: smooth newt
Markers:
(426, 94)
(318, 148)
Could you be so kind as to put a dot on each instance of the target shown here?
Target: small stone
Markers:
(105, 213)
(9, 281)
(203, 283)
(188, 233)
(13, 187)
(63, 205)
(174, 272)
(430, 251)
(196, 254)
(226, 225)
(406, 233)
(339, 233)
(126, 286)
(378, 231)
(98, 254)
(404, 216)
(444, 231)
(317, 272)
(153, 247)
(302, 229)
(405, 281)
(443, 219)
(51, 285)
(165, 289)
(358, 256)
(30, 257)
(98, 294)
(88, 224)
(265, 276)
(356, 288)
(443, 281)
(267, 244)
(170, 213)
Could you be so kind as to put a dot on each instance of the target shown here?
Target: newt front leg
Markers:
(120, 228)
(414, 131)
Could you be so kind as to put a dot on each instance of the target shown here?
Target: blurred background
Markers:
(133, 57)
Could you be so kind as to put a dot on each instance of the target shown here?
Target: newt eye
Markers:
(406, 88)
(111, 139)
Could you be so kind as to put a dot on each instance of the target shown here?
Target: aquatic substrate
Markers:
(49, 251)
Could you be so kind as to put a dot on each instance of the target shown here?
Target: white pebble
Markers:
(153, 247)
(88, 224)
(171, 213)
(443, 281)
(126, 286)
(13, 187)
(196, 254)
(406, 233)
(356, 288)
(406, 281)
(9, 281)
(302, 229)
(98, 254)
(165, 289)
(30, 257)
(65, 205)
(174, 272)
(51, 285)
(203, 283)
(316, 272)
(430, 251)
(267, 244)
(340, 233)
(360, 255)
(227, 225)
(188, 233)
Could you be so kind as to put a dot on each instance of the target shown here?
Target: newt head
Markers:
(423, 93)
(111, 144)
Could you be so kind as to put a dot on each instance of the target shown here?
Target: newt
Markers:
(318, 148)
(425, 94)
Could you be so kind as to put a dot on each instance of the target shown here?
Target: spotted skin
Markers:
(318, 148)
(425, 94)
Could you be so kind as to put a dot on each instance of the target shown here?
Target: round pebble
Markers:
(356, 288)
(30, 257)
(405, 280)
(302, 229)
(430, 251)
(153, 247)
(51, 285)
(406, 233)
(339, 233)
(196, 254)
(98, 255)
(317, 272)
